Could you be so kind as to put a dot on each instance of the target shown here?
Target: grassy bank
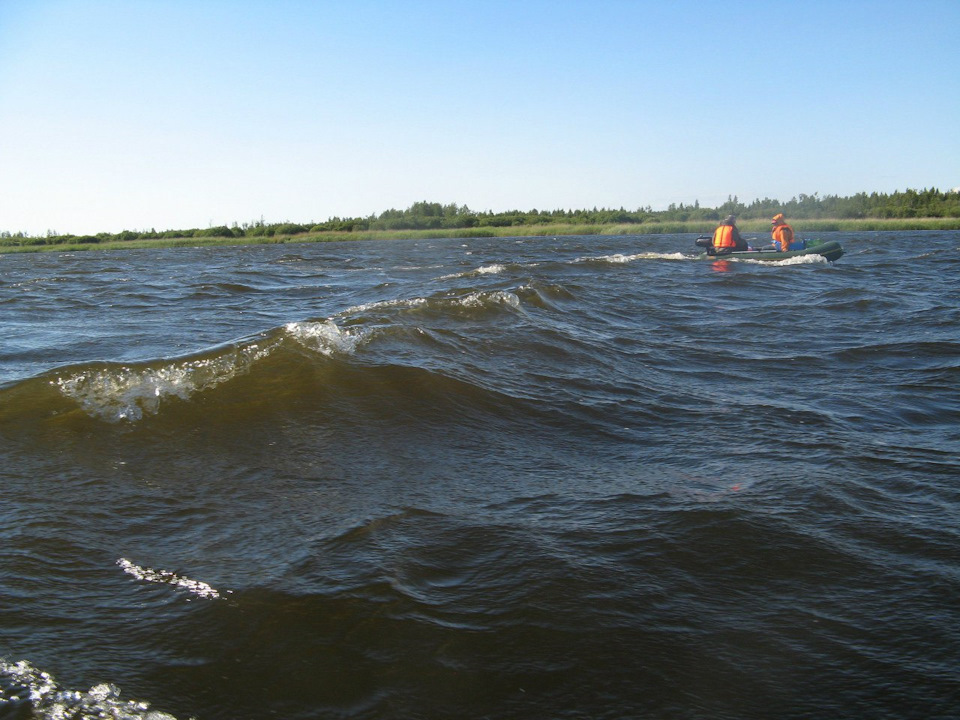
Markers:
(751, 227)
(866, 225)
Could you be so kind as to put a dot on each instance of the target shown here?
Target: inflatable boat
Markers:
(831, 250)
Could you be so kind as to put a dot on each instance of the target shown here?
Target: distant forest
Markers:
(908, 204)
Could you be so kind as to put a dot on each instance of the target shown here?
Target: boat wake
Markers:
(797, 260)
(622, 258)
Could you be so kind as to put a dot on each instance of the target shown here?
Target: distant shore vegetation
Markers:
(907, 210)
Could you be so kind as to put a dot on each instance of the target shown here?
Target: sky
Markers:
(177, 114)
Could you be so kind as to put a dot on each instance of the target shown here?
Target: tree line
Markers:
(926, 203)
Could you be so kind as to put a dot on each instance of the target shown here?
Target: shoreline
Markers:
(558, 230)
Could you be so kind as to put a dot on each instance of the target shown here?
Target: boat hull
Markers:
(830, 250)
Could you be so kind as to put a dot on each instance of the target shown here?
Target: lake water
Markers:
(590, 477)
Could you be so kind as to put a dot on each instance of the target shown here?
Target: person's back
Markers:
(726, 238)
(783, 235)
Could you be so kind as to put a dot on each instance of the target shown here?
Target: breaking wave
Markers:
(124, 392)
(28, 692)
(166, 577)
(127, 393)
(492, 269)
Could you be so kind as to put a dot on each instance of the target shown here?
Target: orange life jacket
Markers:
(723, 237)
(783, 235)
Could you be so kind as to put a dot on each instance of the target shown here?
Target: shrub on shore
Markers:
(909, 210)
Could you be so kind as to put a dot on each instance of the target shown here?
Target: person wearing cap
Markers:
(783, 234)
(726, 238)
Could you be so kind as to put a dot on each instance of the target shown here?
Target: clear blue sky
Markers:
(171, 114)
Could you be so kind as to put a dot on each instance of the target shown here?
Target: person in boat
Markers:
(782, 235)
(726, 238)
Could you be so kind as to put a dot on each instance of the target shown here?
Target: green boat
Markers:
(831, 250)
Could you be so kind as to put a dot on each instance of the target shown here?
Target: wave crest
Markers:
(122, 392)
(27, 691)
(166, 577)
(623, 259)
(277, 365)
(324, 337)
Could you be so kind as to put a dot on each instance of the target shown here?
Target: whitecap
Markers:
(323, 336)
(23, 686)
(116, 393)
(401, 303)
(494, 269)
(480, 299)
(166, 577)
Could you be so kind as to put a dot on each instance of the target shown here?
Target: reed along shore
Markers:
(760, 228)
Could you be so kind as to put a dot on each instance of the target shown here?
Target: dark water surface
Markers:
(503, 478)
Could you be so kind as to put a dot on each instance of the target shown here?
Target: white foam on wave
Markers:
(323, 336)
(621, 258)
(126, 393)
(165, 577)
(367, 307)
(480, 299)
(493, 269)
(811, 259)
(475, 299)
(26, 689)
